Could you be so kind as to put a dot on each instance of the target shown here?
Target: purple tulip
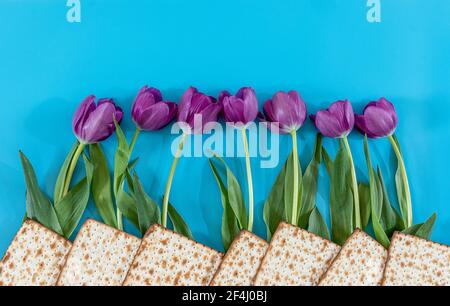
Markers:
(197, 110)
(379, 119)
(94, 123)
(241, 108)
(150, 112)
(286, 109)
(337, 121)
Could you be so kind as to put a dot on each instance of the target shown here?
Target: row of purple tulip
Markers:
(94, 123)
(286, 111)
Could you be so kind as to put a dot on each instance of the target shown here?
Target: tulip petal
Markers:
(379, 122)
(287, 111)
(199, 102)
(209, 115)
(184, 108)
(269, 111)
(234, 110)
(222, 96)
(241, 108)
(82, 114)
(379, 119)
(360, 123)
(144, 100)
(100, 124)
(157, 116)
(329, 124)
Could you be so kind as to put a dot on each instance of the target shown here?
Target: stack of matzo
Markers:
(100, 256)
(242, 261)
(169, 259)
(295, 258)
(414, 261)
(35, 257)
(360, 262)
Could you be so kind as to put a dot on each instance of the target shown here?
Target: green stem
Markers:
(73, 165)
(170, 180)
(131, 147)
(133, 141)
(250, 181)
(295, 202)
(401, 163)
(296, 179)
(355, 186)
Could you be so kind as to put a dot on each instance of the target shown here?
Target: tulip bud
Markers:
(94, 123)
(379, 119)
(337, 121)
(286, 109)
(150, 112)
(241, 108)
(197, 110)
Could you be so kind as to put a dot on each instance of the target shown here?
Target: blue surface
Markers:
(326, 49)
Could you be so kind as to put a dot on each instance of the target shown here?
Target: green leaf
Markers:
(376, 199)
(274, 206)
(230, 226)
(101, 186)
(310, 184)
(364, 203)
(317, 225)
(179, 226)
(327, 161)
(133, 164)
(380, 234)
(235, 196)
(401, 188)
(341, 197)
(71, 208)
(401, 195)
(423, 230)
(127, 206)
(62, 177)
(39, 207)
(147, 210)
(390, 219)
(121, 159)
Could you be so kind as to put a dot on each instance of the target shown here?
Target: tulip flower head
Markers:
(240, 109)
(288, 110)
(337, 121)
(94, 123)
(150, 112)
(379, 119)
(197, 110)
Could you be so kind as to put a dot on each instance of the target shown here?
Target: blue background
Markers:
(326, 49)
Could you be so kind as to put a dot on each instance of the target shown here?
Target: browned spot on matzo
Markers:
(301, 267)
(242, 261)
(185, 271)
(413, 261)
(44, 257)
(100, 256)
(352, 267)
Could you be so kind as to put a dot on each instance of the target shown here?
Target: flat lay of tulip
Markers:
(379, 120)
(195, 112)
(338, 122)
(289, 111)
(285, 113)
(239, 110)
(92, 123)
(119, 194)
(149, 113)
